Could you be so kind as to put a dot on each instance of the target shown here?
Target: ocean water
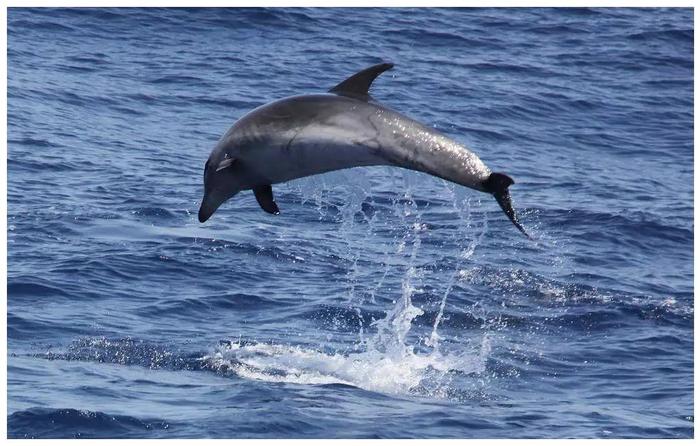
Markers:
(380, 302)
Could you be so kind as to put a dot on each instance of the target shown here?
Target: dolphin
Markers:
(310, 134)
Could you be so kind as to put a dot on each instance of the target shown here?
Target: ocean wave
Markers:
(194, 307)
(18, 288)
(34, 142)
(179, 79)
(45, 25)
(676, 35)
(126, 351)
(43, 422)
(631, 224)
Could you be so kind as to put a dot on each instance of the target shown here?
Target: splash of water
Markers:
(372, 370)
(386, 358)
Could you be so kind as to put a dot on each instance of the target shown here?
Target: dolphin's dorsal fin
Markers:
(357, 85)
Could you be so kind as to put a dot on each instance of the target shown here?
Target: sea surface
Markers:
(380, 302)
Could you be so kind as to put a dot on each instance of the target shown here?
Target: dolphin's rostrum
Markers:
(305, 135)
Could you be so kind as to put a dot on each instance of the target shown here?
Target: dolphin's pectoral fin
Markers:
(497, 184)
(264, 196)
(227, 162)
(357, 85)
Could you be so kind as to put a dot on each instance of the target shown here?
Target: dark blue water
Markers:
(381, 302)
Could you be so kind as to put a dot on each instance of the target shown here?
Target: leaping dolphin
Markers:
(306, 135)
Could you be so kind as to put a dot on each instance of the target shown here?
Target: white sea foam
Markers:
(400, 371)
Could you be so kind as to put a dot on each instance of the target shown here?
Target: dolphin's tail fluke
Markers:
(497, 184)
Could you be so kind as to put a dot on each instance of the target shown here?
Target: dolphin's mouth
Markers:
(206, 209)
(204, 214)
(211, 202)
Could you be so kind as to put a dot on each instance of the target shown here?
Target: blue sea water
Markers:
(380, 302)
